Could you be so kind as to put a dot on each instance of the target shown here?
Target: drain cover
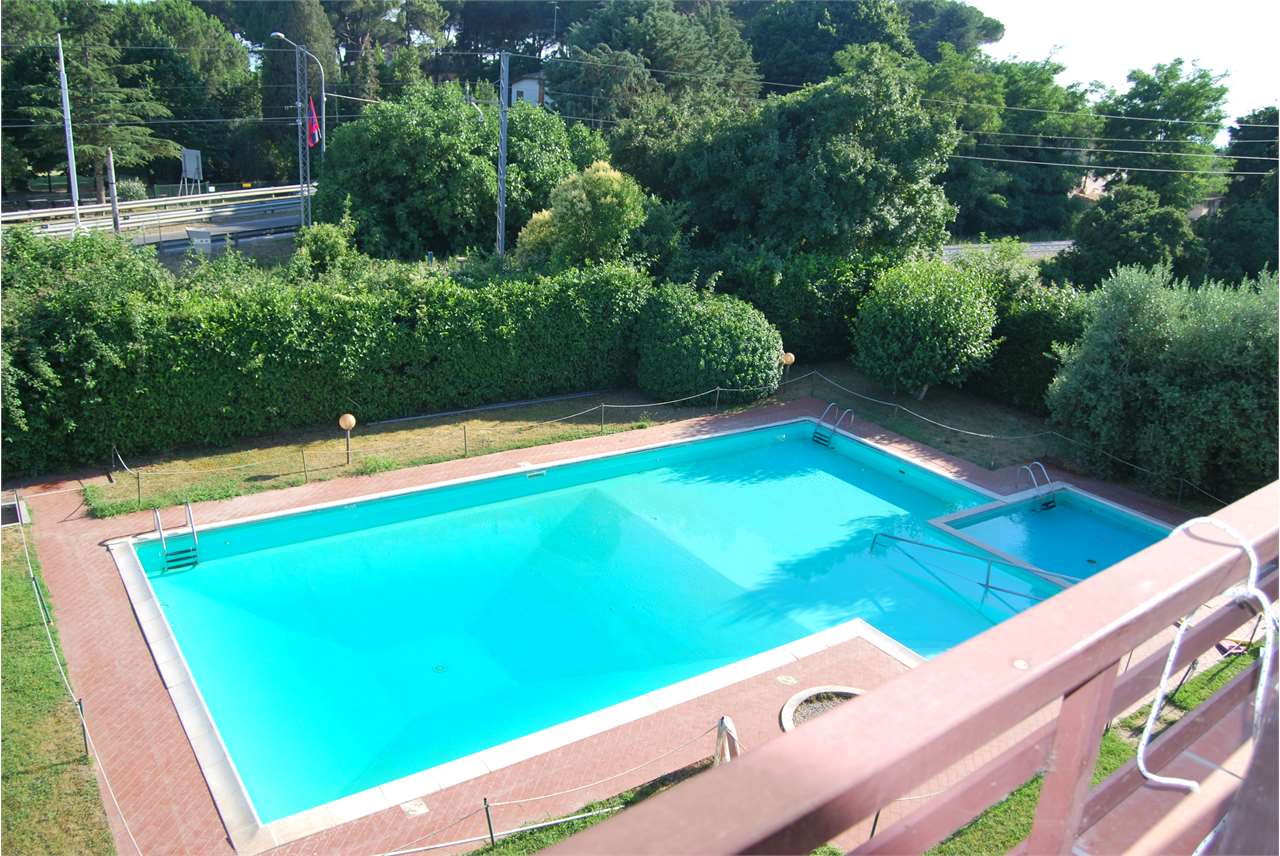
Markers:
(439, 667)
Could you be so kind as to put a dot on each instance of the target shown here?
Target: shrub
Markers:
(326, 245)
(691, 340)
(809, 296)
(592, 216)
(1128, 227)
(924, 323)
(1030, 326)
(1180, 381)
(102, 346)
(130, 190)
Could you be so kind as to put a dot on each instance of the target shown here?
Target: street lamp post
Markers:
(324, 126)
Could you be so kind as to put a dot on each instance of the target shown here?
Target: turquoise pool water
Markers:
(342, 648)
(1076, 536)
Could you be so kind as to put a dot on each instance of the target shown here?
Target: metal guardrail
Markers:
(170, 210)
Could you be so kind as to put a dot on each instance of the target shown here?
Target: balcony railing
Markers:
(807, 787)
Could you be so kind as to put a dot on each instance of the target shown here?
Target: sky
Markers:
(1104, 39)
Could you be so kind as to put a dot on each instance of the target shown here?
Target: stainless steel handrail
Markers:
(1048, 576)
(191, 522)
(164, 547)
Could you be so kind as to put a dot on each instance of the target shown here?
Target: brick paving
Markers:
(154, 772)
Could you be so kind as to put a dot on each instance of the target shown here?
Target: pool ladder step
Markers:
(185, 557)
(822, 432)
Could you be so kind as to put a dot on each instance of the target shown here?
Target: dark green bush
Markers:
(102, 346)
(924, 323)
(1031, 324)
(691, 340)
(1128, 227)
(809, 296)
(1180, 381)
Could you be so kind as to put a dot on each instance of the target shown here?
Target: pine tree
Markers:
(105, 113)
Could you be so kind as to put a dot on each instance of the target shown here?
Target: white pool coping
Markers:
(244, 827)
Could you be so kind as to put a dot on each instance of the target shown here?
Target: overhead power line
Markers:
(1092, 113)
(1108, 167)
(1125, 151)
(1053, 136)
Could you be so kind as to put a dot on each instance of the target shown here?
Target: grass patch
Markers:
(1002, 826)
(49, 793)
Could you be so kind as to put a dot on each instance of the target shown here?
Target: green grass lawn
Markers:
(49, 794)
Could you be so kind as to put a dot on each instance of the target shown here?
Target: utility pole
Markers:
(111, 189)
(73, 183)
(304, 151)
(504, 97)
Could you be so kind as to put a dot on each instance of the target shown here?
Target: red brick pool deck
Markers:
(153, 769)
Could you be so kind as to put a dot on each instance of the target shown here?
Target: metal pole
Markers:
(300, 96)
(111, 188)
(874, 823)
(348, 448)
(306, 476)
(466, 447)
(73, 183)
(504, 97)
(488, 817)
(138, 477)
(602, 419)
(84, 727)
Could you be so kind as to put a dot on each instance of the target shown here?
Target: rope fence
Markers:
(488, 805)
(451, 440)
(77, 703)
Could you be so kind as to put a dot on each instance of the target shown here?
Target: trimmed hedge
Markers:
(1181, 381)
(692, 340)
(102, 345)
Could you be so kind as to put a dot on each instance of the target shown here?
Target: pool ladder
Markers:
(185, 557)
(1049, 501)
(822, 432)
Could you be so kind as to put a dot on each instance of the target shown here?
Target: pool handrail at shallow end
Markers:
(805, 788)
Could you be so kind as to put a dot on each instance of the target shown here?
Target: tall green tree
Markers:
(204, 79)
(1175, 109)
(608, 59)
(1240, 237)
(106, 112)
(303, 21)
(845, 166)
(420, 172)
(795, 42)
(1010, 111)
(934, 23)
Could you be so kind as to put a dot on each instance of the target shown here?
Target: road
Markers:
(173, 236)
(1035, 250)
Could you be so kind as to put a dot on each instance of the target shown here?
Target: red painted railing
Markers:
(807, 787)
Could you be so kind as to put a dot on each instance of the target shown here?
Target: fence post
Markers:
(875, 821)
(306, 476)
(138, 477)
(602, 419)
(111, 466)
(717, 399)
(466, 444)
(488, 818)
(84, 728)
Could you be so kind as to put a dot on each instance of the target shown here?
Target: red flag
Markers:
(313, 125)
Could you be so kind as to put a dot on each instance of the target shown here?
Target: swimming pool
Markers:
(341, 648)
(1064, 531)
